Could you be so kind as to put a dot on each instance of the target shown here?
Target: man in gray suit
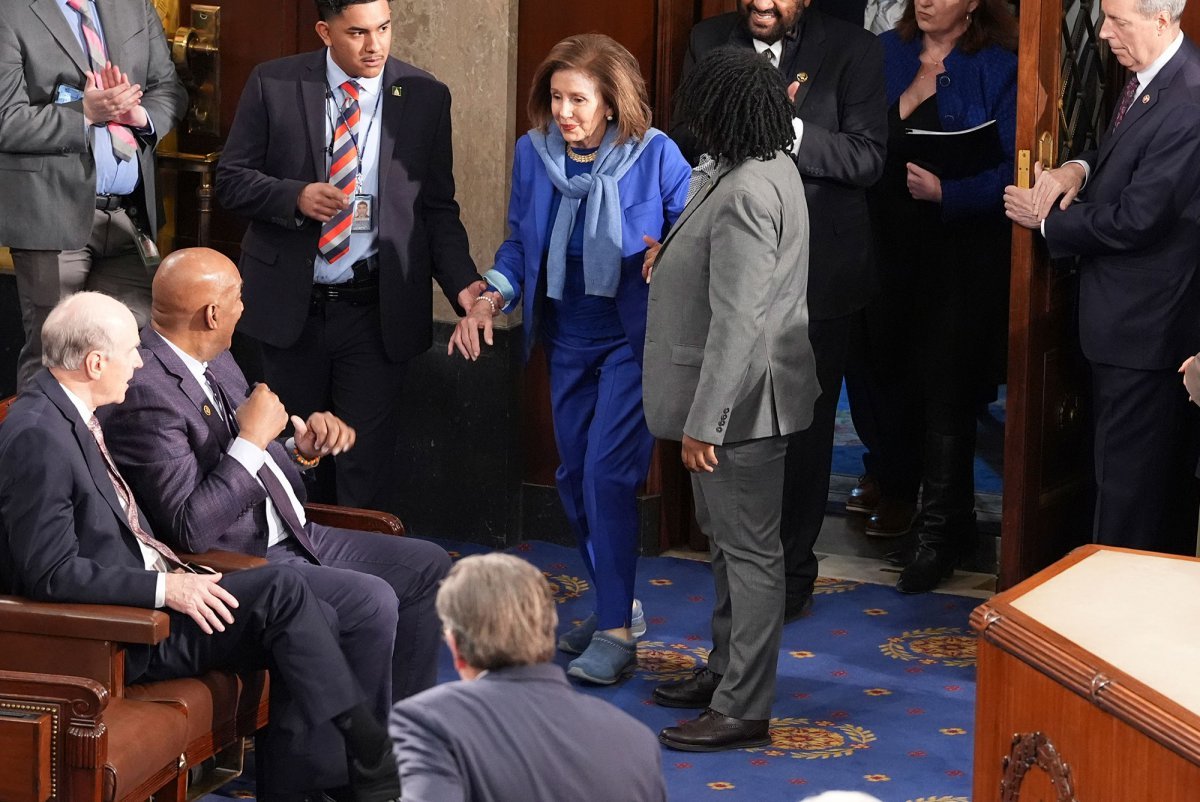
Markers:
(513, 728)
(729, 370)
(87, 89)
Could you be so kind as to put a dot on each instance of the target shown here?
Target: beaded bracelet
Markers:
(491, 303)
(303, 461)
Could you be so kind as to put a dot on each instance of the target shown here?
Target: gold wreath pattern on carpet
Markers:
(948, 646)
(814, 740)
(659, 661)
(827, 584)
(566, 587)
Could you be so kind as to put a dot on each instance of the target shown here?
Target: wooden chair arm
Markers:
(86, 698)
(354, 518)
(225, 561)
(100, 622)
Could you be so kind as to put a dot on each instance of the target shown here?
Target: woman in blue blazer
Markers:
(934, 341)
(590, 181)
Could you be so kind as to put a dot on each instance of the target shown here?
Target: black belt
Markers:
(109, 203)
(362, 290)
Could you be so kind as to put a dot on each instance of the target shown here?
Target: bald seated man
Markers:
(71, 531)
(202, 450)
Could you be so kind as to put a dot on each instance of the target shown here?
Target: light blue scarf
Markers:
(602, 222)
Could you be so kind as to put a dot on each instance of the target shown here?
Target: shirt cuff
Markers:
(249, 455)
(798, 127)
(1087, 170)
(160, 590)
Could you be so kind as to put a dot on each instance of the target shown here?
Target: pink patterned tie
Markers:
(343, 174)
(126, 495)
(124, 145)
(1126, 100)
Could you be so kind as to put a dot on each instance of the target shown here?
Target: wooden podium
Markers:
(1089, 682)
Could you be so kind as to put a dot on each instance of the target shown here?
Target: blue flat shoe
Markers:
(574, 641)
(637, 626)
(605, 660)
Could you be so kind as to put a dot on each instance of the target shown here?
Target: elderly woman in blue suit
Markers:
(592, 182)
(934, 340)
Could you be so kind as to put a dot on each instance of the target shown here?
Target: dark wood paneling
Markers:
(246, 41)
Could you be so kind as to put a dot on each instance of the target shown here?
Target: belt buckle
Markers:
(331, 292)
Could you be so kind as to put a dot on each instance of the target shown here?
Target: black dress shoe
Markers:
(377, 783)
(864, 497)
(794, 611)
(695, 692)
(928, 569)
(892, 518)
(714, 732)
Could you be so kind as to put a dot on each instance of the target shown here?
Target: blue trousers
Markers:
(604, 448)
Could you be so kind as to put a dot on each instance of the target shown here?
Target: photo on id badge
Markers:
(363, 214)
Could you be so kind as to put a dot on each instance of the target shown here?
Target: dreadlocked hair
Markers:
(736, 105)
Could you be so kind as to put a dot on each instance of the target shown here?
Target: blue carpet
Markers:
(989, 451)
(876, 690)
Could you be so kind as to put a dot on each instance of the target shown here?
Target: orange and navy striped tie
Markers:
(343, 174)
(124, 145)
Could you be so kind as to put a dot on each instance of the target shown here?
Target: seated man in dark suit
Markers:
(200, 451)
(71, 531)
(513, 728)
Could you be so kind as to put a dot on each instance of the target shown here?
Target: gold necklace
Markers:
(581, 158)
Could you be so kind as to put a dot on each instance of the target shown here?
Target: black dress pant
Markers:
(809, 458)
(280, 625)
(339, 364)
(1145, 449)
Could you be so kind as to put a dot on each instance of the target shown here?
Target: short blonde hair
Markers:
(500, 610)
(78, 325)
(615, 71)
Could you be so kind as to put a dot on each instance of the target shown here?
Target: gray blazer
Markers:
(522, 733)
(727, 354)
(46, 165)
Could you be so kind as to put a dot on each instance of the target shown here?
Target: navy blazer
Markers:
(171, 447)
(653, 192)
(277, 146)
(1136, 227)
(63, 533)
(841, 102)
(975, 88)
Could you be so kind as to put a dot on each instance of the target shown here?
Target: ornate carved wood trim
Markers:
(1030, 749)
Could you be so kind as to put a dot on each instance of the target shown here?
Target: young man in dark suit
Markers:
(71, 531)
(1129, 212)
(341, 304)
(835, 75)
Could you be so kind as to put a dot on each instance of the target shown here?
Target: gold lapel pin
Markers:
(802, 77)
(1145, 98)
(206, 409)
(396, 91)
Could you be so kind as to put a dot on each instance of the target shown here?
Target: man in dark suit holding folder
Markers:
(1129, 212)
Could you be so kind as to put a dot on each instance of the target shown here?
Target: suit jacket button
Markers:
(720, 429)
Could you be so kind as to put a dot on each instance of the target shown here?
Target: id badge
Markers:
(362, 214)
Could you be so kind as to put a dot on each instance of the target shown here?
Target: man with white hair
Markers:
(71, 531)
(514, 728)
(1129, 212)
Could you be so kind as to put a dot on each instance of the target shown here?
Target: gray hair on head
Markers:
(1173, 8)
(500, 610)
(78, 325)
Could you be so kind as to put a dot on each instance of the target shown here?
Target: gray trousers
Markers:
(109, 263)
(737, 507)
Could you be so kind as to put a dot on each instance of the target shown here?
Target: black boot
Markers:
(947, 532)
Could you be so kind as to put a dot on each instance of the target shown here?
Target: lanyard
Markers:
(341, 115)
